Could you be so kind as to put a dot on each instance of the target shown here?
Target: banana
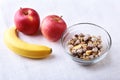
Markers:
(23, 48)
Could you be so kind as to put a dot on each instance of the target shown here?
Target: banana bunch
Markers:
(22, 48)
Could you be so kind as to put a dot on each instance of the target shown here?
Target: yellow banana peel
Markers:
(23, 48)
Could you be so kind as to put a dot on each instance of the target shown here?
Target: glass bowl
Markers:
(87, 28)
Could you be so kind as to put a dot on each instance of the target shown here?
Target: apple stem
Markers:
(26, 13)
(61, 16)
(20, 7)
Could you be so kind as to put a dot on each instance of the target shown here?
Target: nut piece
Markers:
(86, 58)
(89, 48)
(88, 52)
(81, 35)
(77, 46)
(99, 46)
(71, 42)
(79, 51)
(95, 49)
(91, 56)
(70, 46)
(76, 35)
(90, 44)
(86, 37)
(93, 38)
(77, 42)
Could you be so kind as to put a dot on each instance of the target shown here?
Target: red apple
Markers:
(52, 27)
(27, 20)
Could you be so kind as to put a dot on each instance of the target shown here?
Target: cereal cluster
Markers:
(85, 46)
